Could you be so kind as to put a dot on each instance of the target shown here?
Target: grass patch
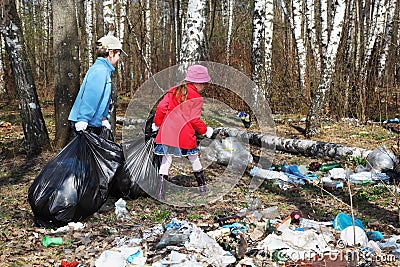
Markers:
(161, 215)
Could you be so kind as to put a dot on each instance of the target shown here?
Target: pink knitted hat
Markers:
(197, 74)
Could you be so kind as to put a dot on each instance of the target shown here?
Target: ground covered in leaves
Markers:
(21, 241)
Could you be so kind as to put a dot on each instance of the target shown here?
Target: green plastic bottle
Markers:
(50, 241)
(330, 166)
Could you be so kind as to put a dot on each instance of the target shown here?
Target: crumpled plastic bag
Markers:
(75, 183)
(228, 151)
(381, 159)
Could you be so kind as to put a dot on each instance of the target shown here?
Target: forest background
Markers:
(318, 58)
(315, 59)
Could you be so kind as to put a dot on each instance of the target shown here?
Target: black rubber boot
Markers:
(160, 195)
(201, 181)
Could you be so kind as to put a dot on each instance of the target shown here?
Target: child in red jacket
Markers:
(177, 119)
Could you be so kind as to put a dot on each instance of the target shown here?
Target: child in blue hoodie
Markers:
(90, 110)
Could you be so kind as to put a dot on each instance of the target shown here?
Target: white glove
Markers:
(81, 126)
(209, 132)
(154, 127)
(106, 124)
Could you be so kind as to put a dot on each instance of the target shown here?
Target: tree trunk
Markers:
(148, 38)
(318, 102)
(304, 147)
(66, 66)
(109, 14)
(229, 15)
(193, 40)
(257, 55)
(35, 132)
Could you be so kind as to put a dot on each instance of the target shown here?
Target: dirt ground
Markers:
(21, 240)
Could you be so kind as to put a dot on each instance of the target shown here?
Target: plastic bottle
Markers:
(309, 224)
(49, 241)
(330, 166)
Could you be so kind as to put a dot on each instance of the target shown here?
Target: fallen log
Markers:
(309, 148)
(304, 147)
(129, 121)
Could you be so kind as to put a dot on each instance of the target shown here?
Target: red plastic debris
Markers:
(69, 264)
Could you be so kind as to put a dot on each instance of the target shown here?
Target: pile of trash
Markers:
(380, 167)
(252, 237)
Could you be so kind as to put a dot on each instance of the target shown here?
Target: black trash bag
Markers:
(106, 134)
(139, 174)
(75, 184)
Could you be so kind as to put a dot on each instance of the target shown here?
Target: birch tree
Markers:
(88, 7)
(262, 45)
(329, 59)
(109, 14)
(66, 66)
(311, 29)
(109, 17)
(193, 40)
(296, 27)
(177, 11)
(2, 73)
(35, 132)
(147, 23)
(230, 17)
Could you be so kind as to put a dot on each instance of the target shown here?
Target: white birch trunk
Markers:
(36, 22)
(89, 30)
(148, 39)
(301, 51)
(318, 102)
(387, 33)
(257, 43)
(324, 25)
(374, 31)
(225, 12)
(193, 36)
(261, 52)
(122, 19)
(312, 36)
(229, 33)
(2, 74)
(177, 16)
(296, 27)
(46, 35)
(268, 34)
(109, 17)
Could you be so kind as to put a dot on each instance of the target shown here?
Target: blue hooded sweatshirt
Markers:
(93, 100)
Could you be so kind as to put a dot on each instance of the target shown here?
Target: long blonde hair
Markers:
(181, 92)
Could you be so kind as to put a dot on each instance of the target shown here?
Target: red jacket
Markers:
(179, 121)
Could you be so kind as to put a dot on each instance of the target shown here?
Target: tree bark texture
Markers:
(193, 40)
(304, 147)
(309, 148)
(35, 132)
(66, 66)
